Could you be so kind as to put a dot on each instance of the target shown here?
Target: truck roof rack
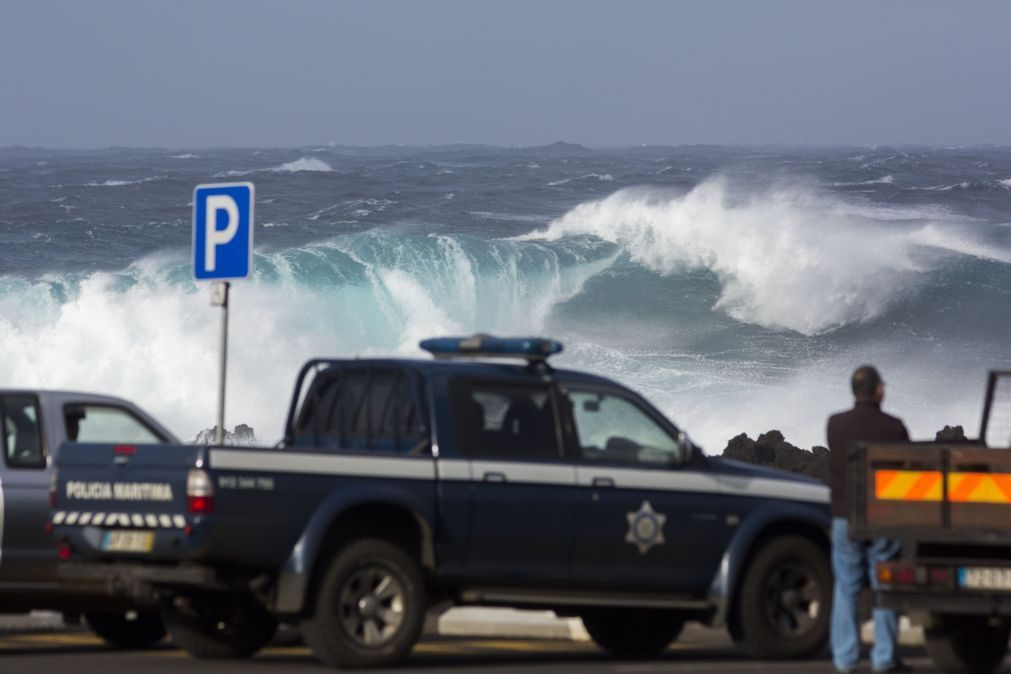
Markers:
(530, 349)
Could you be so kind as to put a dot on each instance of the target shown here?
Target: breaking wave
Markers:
(785, 259)
(312, 164)
(148, 332)
(303, 164)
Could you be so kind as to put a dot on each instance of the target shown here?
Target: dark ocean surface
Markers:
(734, 287)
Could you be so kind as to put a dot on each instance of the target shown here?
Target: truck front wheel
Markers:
(783, 605)
(217, 626)
(370, 606)
(633, 633)
(127, 629)
(966, 643)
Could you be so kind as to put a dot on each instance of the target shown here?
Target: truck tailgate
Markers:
(126, 499)
(921, 487)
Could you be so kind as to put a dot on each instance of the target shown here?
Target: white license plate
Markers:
(981, 578)
(128, 541)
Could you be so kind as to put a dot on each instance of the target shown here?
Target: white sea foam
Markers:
(120, 183)
(944, 188)
(303, 164)
(311, 164)
(185, 156)
(884, 180)
(604, 178)
(789, 258)
(154, 339)
(1005, 183)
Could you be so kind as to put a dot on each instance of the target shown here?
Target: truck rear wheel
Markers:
(218, 626)
(633, 633)
(370, 606)
(967, 643)
(783, 605)
(127, 629)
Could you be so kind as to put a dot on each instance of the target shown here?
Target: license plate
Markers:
(128, 541)
(981, 578)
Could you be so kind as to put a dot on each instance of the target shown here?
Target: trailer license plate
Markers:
(976, 578)
(128, 541)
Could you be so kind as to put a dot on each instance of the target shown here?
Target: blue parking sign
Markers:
(223, 231)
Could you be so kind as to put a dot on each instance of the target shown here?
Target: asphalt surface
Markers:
(698, 650)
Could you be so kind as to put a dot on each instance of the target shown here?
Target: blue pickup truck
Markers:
(402, 485)
(34, 425)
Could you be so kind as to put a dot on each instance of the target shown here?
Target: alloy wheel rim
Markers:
(371, 606)
(792, 599)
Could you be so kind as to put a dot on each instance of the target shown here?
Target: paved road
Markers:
(703, 651)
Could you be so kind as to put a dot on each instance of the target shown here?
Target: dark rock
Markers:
(242, 435)
(772, 449)
(951, 434)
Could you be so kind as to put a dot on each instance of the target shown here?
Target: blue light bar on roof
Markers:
(530, 348)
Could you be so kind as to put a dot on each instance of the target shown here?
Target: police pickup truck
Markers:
(33, 426)
(403, 485)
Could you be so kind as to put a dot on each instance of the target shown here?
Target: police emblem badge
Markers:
(645, 527)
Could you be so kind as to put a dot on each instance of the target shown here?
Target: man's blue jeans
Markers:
(852, 562)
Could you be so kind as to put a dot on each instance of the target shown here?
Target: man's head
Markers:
(867, 384)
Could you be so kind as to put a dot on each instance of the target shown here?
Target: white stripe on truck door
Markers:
(281, 461)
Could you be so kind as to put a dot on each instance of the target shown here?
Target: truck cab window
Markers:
(370, 409)
(105, 423)
(22, 437)
(611, 428)
(513, 422)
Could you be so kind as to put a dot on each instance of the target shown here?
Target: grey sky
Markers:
(187, 74)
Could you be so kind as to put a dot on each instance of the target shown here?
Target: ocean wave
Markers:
(120, 183)
(135, 331)
(186, 155)
(310, 164)
(604, 178)
(358, 208)
(786, 259)
(303, 164)
(944, 188)
(883, 180)
(1005, 183)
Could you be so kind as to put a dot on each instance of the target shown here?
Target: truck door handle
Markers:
(602, 482)
(495, 477)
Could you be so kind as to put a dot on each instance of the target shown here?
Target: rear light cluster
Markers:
(199, 492)
(904, 574)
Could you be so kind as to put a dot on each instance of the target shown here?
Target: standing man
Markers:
(853, 561)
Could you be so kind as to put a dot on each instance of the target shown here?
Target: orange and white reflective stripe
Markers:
(926, 485)
(907, 485)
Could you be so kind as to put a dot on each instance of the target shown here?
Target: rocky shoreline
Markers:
(772, 449)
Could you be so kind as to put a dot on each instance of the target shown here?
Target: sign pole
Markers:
(222, 251)
(219, 297)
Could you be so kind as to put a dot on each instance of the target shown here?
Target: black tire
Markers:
(369, 608)
(217, 626)
(783, 606)
(633, 633)
(133, 630)
(966, 643)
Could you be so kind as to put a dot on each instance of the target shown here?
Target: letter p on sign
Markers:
(223, 231)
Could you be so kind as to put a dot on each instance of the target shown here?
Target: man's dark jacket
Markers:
(864, 423)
